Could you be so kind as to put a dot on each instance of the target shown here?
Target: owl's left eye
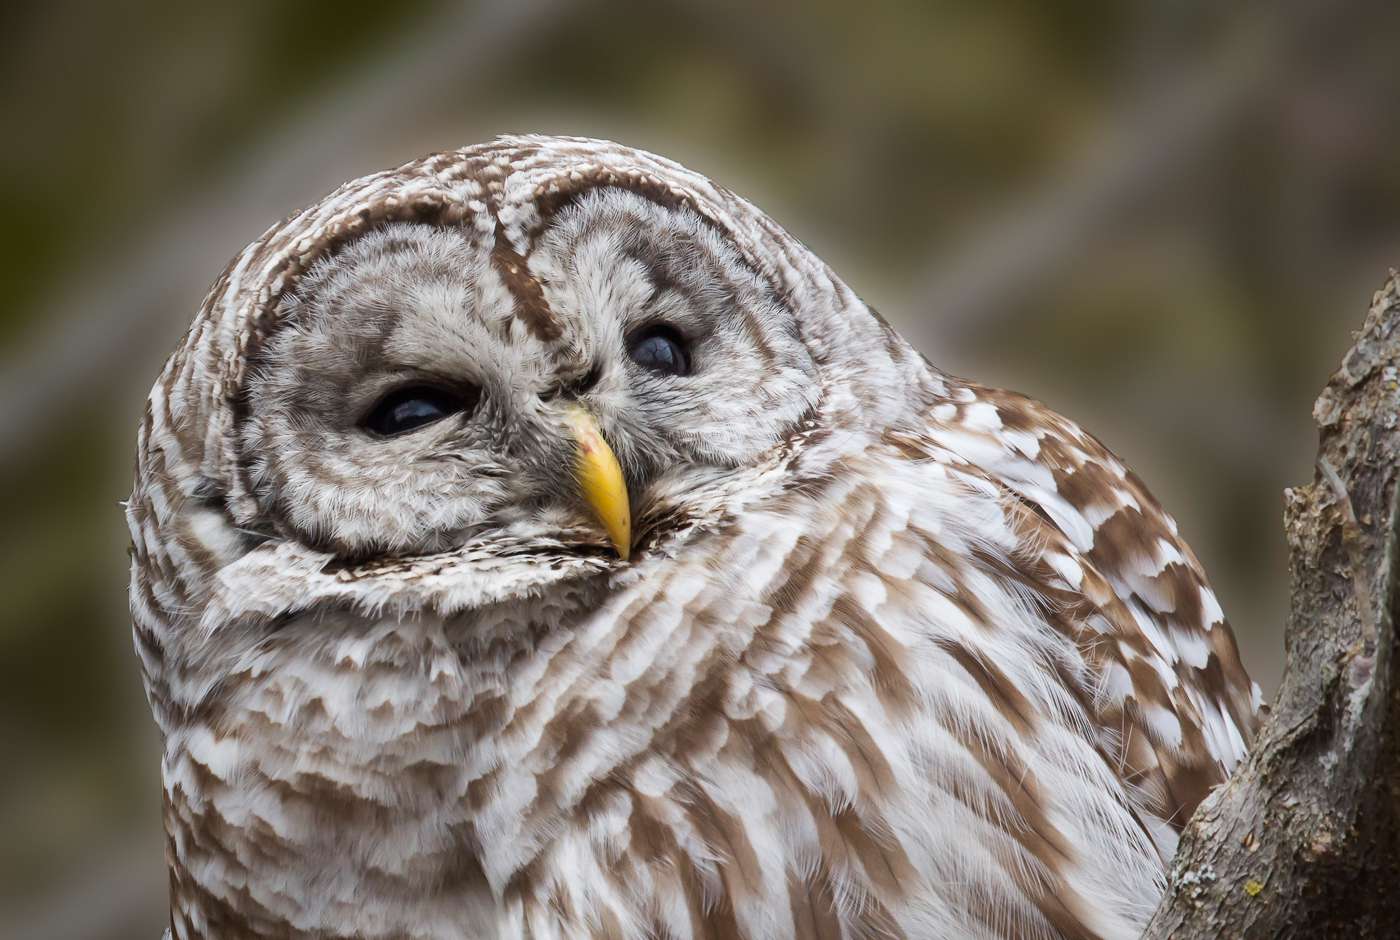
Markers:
(660, 349)
(407, 409)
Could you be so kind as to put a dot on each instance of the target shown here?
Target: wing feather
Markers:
(1108, 564)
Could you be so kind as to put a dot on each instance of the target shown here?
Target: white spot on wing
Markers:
(1210, 607)
(1066, 567)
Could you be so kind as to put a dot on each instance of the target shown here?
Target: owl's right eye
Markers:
(407, 409)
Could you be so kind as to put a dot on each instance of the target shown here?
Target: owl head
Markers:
(428, 385)
(472, 378)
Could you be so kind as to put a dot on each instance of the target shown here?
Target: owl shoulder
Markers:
(1094, 544)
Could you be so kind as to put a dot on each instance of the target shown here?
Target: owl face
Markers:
(425, 383)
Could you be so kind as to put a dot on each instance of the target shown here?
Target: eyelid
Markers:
(386, 382)
(651, 327)
(459, 400)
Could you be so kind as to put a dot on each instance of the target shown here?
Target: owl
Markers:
(535, 540)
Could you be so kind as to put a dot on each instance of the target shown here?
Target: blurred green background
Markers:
(1163, 218)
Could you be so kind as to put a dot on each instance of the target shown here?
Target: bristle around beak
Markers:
(600, 480)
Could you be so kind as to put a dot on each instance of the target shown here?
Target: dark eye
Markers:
(660, 349)
(406, 409)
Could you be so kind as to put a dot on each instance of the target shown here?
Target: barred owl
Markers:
(535, 540)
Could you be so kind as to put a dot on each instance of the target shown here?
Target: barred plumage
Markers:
(894, 655)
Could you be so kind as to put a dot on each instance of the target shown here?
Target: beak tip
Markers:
(601, 482)
(621, 538)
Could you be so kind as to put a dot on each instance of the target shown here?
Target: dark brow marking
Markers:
(530, 306)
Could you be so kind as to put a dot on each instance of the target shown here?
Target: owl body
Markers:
(889, 654)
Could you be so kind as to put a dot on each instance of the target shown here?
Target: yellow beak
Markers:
(600, 480)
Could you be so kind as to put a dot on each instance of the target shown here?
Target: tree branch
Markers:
(1304, 840)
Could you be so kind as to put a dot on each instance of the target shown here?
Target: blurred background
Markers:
(1163, 218)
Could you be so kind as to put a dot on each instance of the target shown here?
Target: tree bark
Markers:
(1304, 840)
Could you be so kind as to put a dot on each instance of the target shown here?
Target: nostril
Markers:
(590, 380)
(585, 383)
(572, 388)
